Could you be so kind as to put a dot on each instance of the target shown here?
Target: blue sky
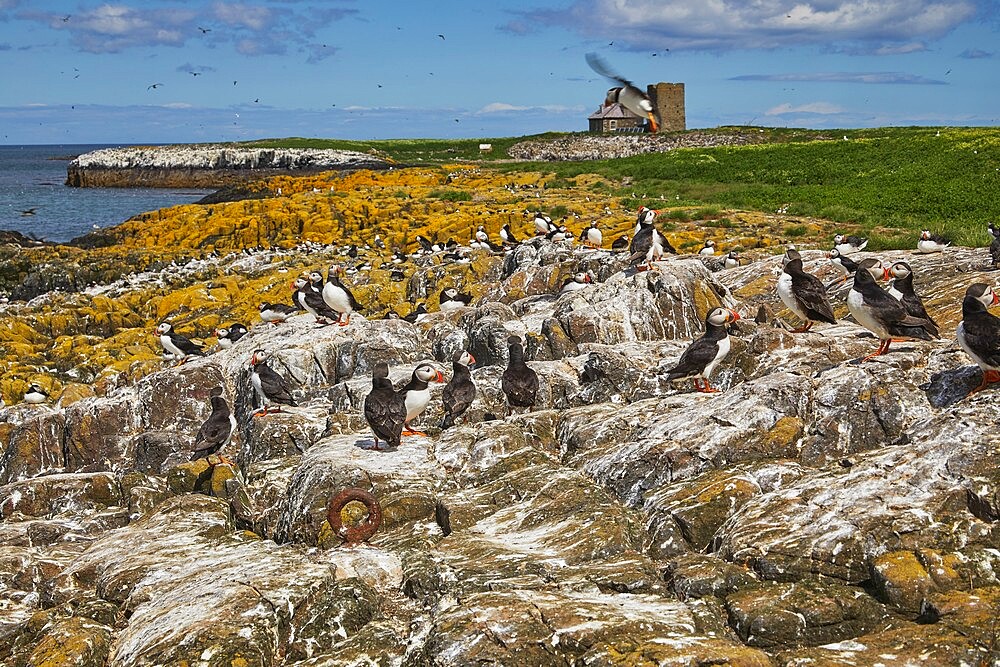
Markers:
(81, 72)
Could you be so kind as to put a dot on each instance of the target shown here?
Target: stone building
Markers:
(615, 118)
(668, 103)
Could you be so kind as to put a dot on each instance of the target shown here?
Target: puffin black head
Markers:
(427, 373)
(258, 357)
(463, 357)
(381, 370)
(450, 292)
(216, 391)
(721, 316)
(982, 293)
(315, 277)
(994, 230)
(900, 270)
(164, 328)
(222, 333)
(874, 268)
(791, 254)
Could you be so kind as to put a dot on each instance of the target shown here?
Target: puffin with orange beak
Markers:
(979, 331)
(626, 94)
(417, 394)
(705, 353)
(268, 385)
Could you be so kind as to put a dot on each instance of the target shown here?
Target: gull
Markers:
(28, 211)
(204, 30)
(440, 35)
(155, 85)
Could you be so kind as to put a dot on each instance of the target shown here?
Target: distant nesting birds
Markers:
(269, 387)
(519, 382)
(706, 352)
(979, 331)
(626, 94)
(217, 431)
(620, 243)
(229, 335)
(708, 248)
(929, 243)
(452, 299)
(177, 346)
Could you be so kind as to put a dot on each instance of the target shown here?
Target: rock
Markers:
(73, 641)
(927, 644)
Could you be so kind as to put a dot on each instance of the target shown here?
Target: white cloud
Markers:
(760, 24)
(824, 108)
(843, 77)
(238, 14)
(503, 107)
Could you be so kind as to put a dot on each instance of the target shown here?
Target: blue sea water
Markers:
(35, 176)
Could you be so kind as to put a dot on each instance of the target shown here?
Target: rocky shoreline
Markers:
(205, 166)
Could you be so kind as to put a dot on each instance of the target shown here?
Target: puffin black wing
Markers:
(695, 359)
(519, 381)
(216, 430)
(185, 345)
(811, 295)
(274, 386)
(601, 67)
(458, 394)
(980, 331)
(385, 410)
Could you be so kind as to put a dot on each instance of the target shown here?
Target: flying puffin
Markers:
(385, 409)
(979, 331)
(620, 243)
(229, 335)
(310, 297)
(901, 289)
(929, 243)
(708, 249)
(417, 394)
(338, 297)
(217, 431)
(35, 394)
(626, 94)
(452, 299)
(847, 245)
(592, 236)
(507, 236)
(803, 294)
(649, 244)
(519, 381)
(176, 345)
(275, 313)
(877, 311)
(269, 386)
(704, 353)
(847, 265)
(460, 391)
(994, 231)
(577, 282)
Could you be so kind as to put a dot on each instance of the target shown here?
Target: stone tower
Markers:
(668, 100)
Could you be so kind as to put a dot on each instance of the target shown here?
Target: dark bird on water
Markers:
(217, 431)
(519, 381)
(28, 211)
(627, 94)
(460, 391)
(385, 409)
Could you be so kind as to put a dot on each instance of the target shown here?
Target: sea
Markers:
(34, 177)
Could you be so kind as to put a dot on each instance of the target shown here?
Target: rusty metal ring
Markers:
(354, 534)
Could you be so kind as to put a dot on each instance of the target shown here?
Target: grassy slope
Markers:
(887, 182)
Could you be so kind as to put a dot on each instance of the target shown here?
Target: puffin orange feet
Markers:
(883, 347)
(989, 377)
(804, 328)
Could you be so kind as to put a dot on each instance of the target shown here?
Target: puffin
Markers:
(379, 243)
(543, 224)
(385, 409)
(482, 236)
(417, 394)
(979, 331)
(626, 94)
(648, 245)
(452, 299)
(901, 289)
(218, 429)
(460, 391)
(884, 316)
(519, 381)
(310, 297)
(559, 234)
(35, 394)
(803, 294)
(577, 282)
(425, 243)
(704, 353)
(848, 245)
(507, 236)
(178, 346)
(994, 231)
(592, 236)
(620, 243)
(229, 335)
(732, 260)
(416, 315)
(644, 215)
(338, 297)
(269, 386)
(708, 249)
(847, 265)
(275, 313)
(929, 243)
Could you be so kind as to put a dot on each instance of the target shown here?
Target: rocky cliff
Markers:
(204, 166)
(815, 512)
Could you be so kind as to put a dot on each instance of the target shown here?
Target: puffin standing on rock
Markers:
(452, 299)
(385, 410)
(648, 245)
(507, 236)
(979, 331)
(884, 316)
(310, 297)
(902, 290)
(705, 353)
(519, 381)
(847, 265)
(269, 386)
(460, 391)
(217, 431)
(276, 313)
(847, 245)
(178, 346)
(338, 297)
(803, 294)
(929, 243)
(229, 335)
(592, 236)
(417, 394)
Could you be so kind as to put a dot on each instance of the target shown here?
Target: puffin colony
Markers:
(891, 315)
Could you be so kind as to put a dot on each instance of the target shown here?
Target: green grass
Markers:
(886, 182)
